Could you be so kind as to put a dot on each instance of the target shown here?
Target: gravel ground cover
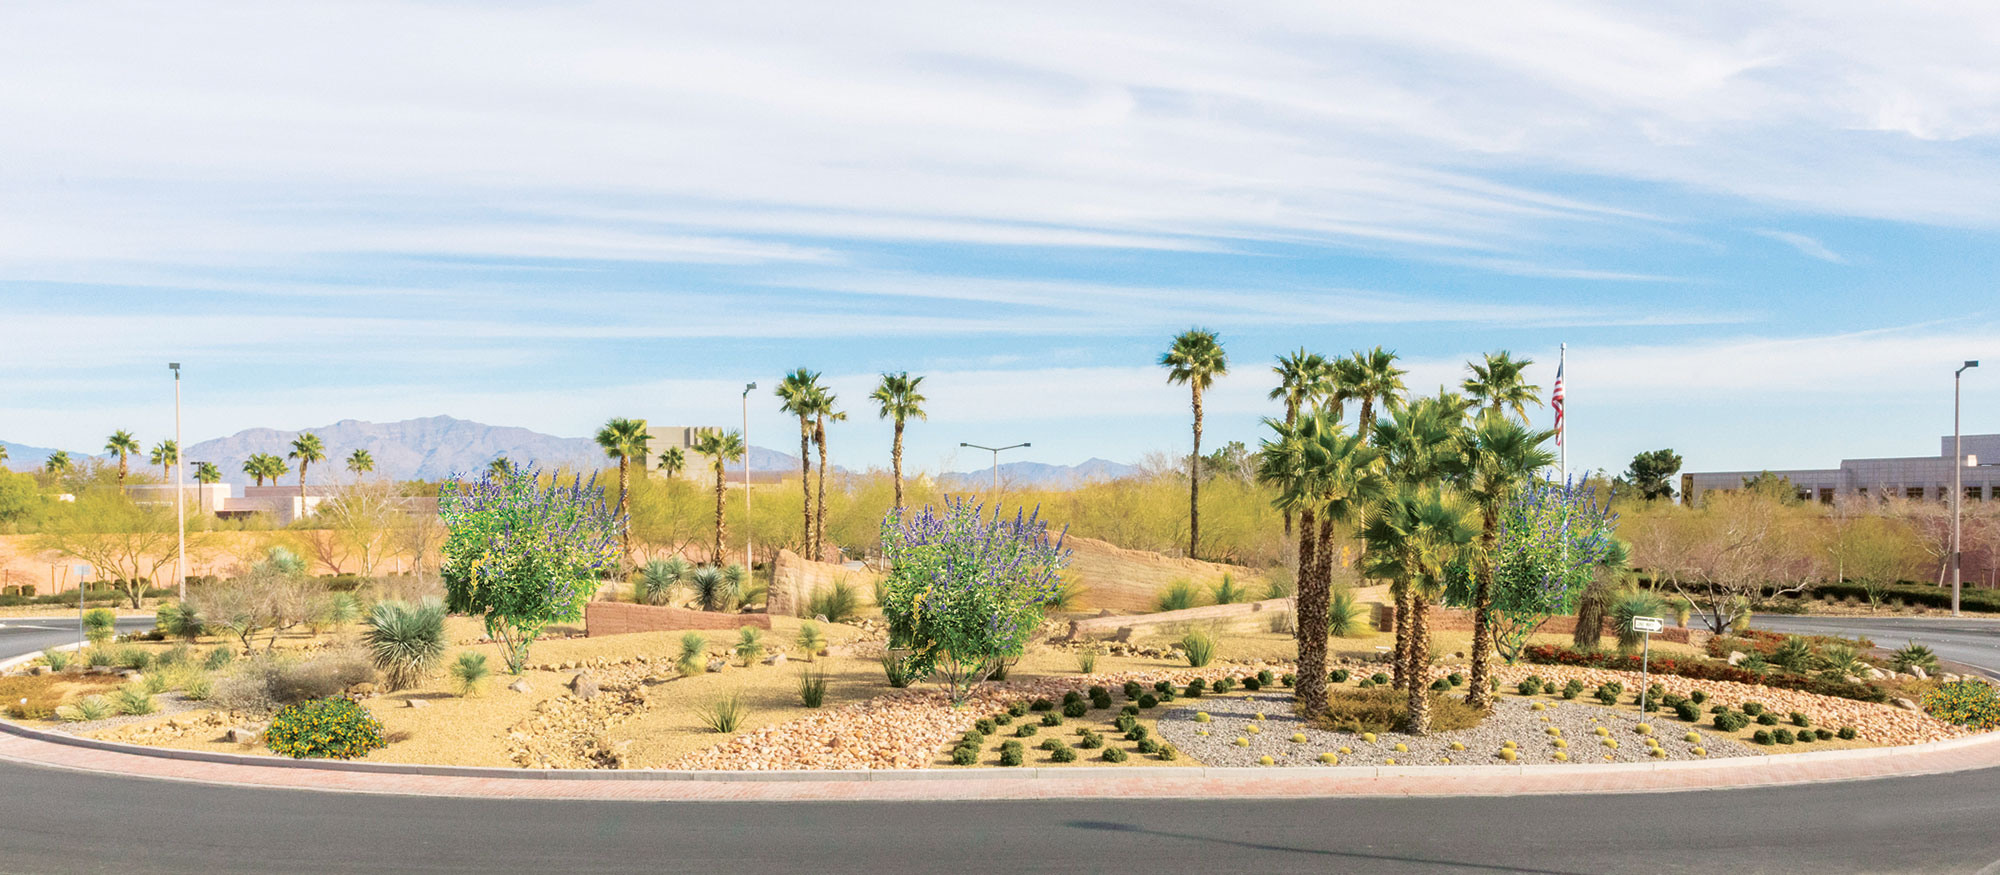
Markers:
(1234, 735)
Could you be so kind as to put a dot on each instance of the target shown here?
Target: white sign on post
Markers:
(1647, 624)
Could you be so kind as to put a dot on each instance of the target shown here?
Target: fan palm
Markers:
(1195, 359)
(1303, 377)
(1420, 442)
(165, 454)
(1498, 384)
(673, 460)
(719, 448)
(1412, 537)
(624, 440)
(360, 462)
(898, 399)
(1500, 454)
(1370, 377)
(824, 410)
(796, 393)
(58, 463)
(207, 472)
(123, 445)
(307, 449)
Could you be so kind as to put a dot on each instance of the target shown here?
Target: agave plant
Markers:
(1914, 655)
(1794, 654)
(86, 709)
(406, 642)
(1842, 660)
(713, 590)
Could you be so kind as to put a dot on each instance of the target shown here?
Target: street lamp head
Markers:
(175, 367)
(963, 444)
(1027, 444)
(747, 387)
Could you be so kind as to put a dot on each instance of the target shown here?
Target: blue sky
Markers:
(1767, 234)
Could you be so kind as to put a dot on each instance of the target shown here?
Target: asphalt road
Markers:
(57, 821)
(1973, 642)
(19, 635)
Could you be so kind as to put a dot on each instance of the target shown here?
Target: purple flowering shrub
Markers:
(523, 553)
(966, 590)
(1553, 537)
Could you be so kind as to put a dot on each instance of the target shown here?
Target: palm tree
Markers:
(1420, 441)
(624, 440)
(1302, 377)
(3, 454)
(1499, 456)
(1498, 384)
(123, 444)
(58, 463)
(1196, 359)
(824, 411)
(1413, 536)
(898, 398)
(207, 472)
(259, 466)
(307, 449)
(719, 448)
(1370, 377)
(360, 462)
(165, 454)
(673, 461)
(796, 393)
(1330, 478)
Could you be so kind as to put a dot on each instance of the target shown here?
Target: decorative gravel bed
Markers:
(1514, 719)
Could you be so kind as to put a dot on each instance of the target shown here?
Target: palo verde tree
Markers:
(522, 554)
(965, 589)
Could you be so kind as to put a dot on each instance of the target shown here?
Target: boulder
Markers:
(1876, 674)
(1917, 671)
(717, 664)
(1905, 704)
(583, 686)
(775, 659)
(240, 735)
(520, 685)
(1736, 657)
(417, 703)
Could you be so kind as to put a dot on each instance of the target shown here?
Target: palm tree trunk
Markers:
(1323, 567)
(1400, 673)
(1309, 623)
(625, 509)
(1194, 479)
(1420, 646)
(819, 511)
(1291, 421)
(896, 462)
(302, 486)
(805, 483)
(1481, 693)
(717, 555)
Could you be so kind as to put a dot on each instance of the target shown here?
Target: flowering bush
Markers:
(523, 555)
(324, 729)
(965, 590)
(1972, 704)
(1704, 670)
(1552, 537)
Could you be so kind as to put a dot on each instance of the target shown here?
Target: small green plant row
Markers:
(967, 751)
(1786, 736)
(1686, 707)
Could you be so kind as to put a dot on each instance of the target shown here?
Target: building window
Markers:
(1826, 495)
(1975, 493)
(1914, 493)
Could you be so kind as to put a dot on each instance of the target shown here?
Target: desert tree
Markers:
(624, 440)
(1499, 384)
(721, 448)
(1195, 359)
(897, 398)
(122, 444)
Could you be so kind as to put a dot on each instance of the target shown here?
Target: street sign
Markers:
(1647, 624)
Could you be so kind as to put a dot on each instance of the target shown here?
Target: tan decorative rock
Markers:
(583, 686)
(520, 685)
(1735, 656)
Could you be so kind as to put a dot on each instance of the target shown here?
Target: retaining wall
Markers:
(618, 618)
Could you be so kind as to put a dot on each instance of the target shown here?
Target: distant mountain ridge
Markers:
(1040, 474)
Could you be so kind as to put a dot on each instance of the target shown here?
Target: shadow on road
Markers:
(1108, 826)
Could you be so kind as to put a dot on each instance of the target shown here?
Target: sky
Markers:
(1766, 232)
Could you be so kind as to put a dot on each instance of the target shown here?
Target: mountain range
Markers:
(437, 447)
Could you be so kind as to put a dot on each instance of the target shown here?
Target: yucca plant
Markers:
(657, 580)
(1344, 617)
(811, 640)
(1199, 647)
(1279, 585)
(724, 714)
(1914, 655)
(179, 620)
(712, 589)
(132, 700)
(1178, 596)
(749, 644)
(86, 709)
(1227, 592)
(341, 609)
(56, 659)
(405, 641)
(1794, 654)
(470, 672)
(694, 655)
(812, 688)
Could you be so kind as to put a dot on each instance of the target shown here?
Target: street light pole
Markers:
(749, 558)
(996, 458)
(1957, 479)
(180, 489)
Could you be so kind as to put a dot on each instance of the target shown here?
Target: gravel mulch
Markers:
(1232, 718)
(164, 704)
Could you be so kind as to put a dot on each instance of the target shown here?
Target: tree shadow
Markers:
(1108, 826)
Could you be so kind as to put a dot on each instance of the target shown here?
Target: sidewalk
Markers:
(27, 746)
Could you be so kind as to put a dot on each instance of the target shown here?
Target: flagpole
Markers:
(1562, 437)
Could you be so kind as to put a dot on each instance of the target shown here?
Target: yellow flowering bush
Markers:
(324, 729)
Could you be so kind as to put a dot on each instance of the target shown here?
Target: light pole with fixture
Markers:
(996, 458)
(749, 558)
(1957, 479)
(180, 489)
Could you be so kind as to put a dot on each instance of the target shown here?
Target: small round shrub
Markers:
(1698, 697)
(1762, 736)
(1251, 685)
(1003, 718)
(1026, 729)
(324, 729)
(1091, 740)
(1042, 705)
(1016, 709)
(1824, 733)
(1128, 710)
(1136, 733)
(1440, 685)
(1288, 679)
(1365, 684)
(1767, 719)
(1339, 675)
(1753, 708)
(1076, 709)
(1847, 733)
(1784, 736)
(1132, 689)
(1224, 685)
(1072, 697)
(1379, 678)
(1196, 687)
(1572, 689)
(1051, 719)
(964, 755)
(1097, 691)
(1529, 687)
(985, 726)
(1162, 686)
(1167, 695)
(1800, 719)
(1149, 745)
(1167, 752)
(1688, 711)
(1730, 721)
(1101, 703)
(1807, 736)
(1114, 755)
(1051, 743)
(1147, 700)
(1063, 755)
(1011, 754)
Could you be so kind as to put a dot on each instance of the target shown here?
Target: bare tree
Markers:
(1732, 555)
(126, 542)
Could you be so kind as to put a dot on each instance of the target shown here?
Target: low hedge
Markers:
(1704, 670)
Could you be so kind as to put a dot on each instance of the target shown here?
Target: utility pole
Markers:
(1957, 479)
(749, 557)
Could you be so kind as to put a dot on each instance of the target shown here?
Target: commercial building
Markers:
(1912, 477)
(283, 503)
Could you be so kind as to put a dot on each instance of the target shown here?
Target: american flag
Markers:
(1556, 401)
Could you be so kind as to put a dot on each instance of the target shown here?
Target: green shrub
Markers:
(99, 624)
(1455, 679)
(749, 644)
(1807, 736)
(1378, 678)
(154, 682)
(1128, 710)
(1199, 647)
(1688, 711)
(1762, 736)
(1572, 689)
(1767, 719)
(1800, 719)
(1041, 705)
(1339, 675)
(1052, 719)
(1609, 692)
(1167, 752)
(198, 688)
(86, 709)
(896, 669)
(1149, 745)
(964, 755)
(1025, 730)
(1531, 686)
(1698, 697)
(723, 714)
(178, 620)
(1178, 596)
(133, 658)
(1100, 702)
(324, 729)
(1730, 721)
(1753, 708)
(1114, 755)
(1784, 736)
(1914, 655)
(1051, 743)
(1264, 677)
(1147, 701)
(1440, 685)
(57, 660)
(1011, 753)
(1251, 685)
(812, 688)
(132, 699)
(1064, 754)
(1196, 687)
(1847, 733)
(1097, 691)
(1794, 654)
(405, 641)
(1288, 679)
(985, 726)
(1016, 709)
(1224, 684)
(1227, 592)
(1091, 740)
(1132, 689)
(810, 640)
(218, 658)
(1967, 703)
(1077, 708)
(1136, 731)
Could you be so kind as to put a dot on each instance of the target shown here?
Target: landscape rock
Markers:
(1905, 704)
(1917, 671)
(775, 659)
(40, 670)
(418, 703)
(1735, 656)
(240, 735)
(519, 685)
(1876, 674)
(583, 686)
(715, 664)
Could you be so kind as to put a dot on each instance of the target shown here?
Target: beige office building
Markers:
(1912, 477)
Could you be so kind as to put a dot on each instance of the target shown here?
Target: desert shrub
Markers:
(198, 687)
(1051, 743)
(1698, 697)
(1794, 655)
(1147, 700)
(1339, 675)
(896, 669)
(1842, 660)
(1162, 686)
(218, 658)
(271, 682)
(1529, 686)
(1114, 755)
(1763, 736)
(1196, 687)
(179, 620)
(1149, 745)
(1011, 753)
(97, 657)
(1730, 721)
(1572, 689)
(1128, 710)
(177, 655)
(838, 602)
(985, 726)
(749, 644)
(1609, 692)
(1223, 684)
(810, 640)
(57, 660)
(1287, 678)
(812, 688)
(1437, 686)
(1086, 660)
(1458, 680)
(1178, 596)
(324, 729)
(1624, 607)
(1097, 691)
(1752, 708)
(1078, 708)
(1228, 592)
(405, 641)
(1041, 704)
(1688, 711)
(1800, 719)
(1967, 703)
(1346, 618)
(1767, 719)
(154, 682)
(99, 624)
(86, 709)
(1378, 678)
(132, 699)
(1251, 685)
(1784, 736)
(1101, 702)
(1136, 731)
(1132, 689)
(1381, 709)
(1064, 754)
(1265, 677)
(1847, 733)
(1017, 709)
(1914, 655)
(1091, 740)
(964, 755)
(133, 658)
(1199, 646)
(723, 714)
(1003, 718)
(1052, 719)
(1025, 730)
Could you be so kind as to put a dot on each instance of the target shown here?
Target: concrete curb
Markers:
(1737, 765)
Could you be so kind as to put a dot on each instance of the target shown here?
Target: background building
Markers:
(1913, 477)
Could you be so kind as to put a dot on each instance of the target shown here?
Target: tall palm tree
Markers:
(824, 410)
(719, 448)
(58, 463)
(673, 461)
(1372, 378)
(207, 473)
(165, 454)
(123, 444)
(1499, 456)
(898, 399)
(1302, 378)
(1330, 478)
(1498, 384)
(1413, 536)
(1420, 442)
(254, 466)
(796, 393)
(624, 440)
(360, 462)
(306, 449)
(1195, 359)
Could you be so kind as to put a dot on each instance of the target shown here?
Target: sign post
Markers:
(1646, 625)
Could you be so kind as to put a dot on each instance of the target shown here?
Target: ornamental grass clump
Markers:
(470, 672)
(324, 729)
(749, 644)
(966, 590)
(724, 714)
(811, 641)
(812, 688)
(1199, 646)
(693, 659)
(406, 642)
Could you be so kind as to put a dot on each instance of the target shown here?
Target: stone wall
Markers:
(618, 618)
(1123, 628)
(794, 579)
(1460, 620)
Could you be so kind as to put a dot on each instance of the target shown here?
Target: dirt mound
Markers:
(1118, 579)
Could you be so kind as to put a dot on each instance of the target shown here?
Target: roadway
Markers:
(1972, 642)
(23, 635)
(59, 821)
